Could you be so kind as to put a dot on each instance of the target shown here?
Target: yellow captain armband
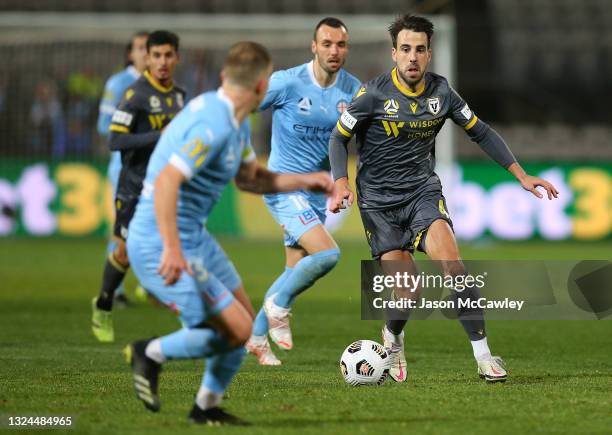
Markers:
(342, 130)
(471, 123)
(119, 128)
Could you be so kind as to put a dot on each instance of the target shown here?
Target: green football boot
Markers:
(102, 324)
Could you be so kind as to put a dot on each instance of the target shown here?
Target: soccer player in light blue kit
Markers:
(202, 149)
(306, 101)
(115, 87)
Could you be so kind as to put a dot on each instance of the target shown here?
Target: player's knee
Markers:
(240, 333)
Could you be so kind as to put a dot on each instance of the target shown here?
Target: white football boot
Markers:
(395, 346)
(492, 369)
(278, 324)
(260, 347)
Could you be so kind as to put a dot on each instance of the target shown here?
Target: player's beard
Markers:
(327, 69)
(410, 82)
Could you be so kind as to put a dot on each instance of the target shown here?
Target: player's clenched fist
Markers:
(342, 196)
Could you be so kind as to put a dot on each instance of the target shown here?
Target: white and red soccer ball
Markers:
(365, 362)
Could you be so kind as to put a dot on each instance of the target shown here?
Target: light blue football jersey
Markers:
(113, 92)
(304, 115)
(206, 143)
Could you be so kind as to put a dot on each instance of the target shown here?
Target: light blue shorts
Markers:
(193, 298)
(296, 213)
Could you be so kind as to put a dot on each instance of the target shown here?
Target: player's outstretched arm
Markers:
(496, 148)
(531, 183)
(254, 178)
(165, 197)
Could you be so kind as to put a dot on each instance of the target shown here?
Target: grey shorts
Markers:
(405, 227)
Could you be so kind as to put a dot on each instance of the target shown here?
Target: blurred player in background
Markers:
(306, 101)
(147, 107)
(136, 53)
(396, 118)
(205, 146)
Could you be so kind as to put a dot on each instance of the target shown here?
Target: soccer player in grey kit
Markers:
(395, 118)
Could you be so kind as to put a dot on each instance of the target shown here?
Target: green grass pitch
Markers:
(560, 372)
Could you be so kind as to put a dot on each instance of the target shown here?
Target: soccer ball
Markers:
(365, 362)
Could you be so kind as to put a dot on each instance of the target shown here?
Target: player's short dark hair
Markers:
(245, 62)
(336, 23)
(162, 37)
(411, 22)
(130, 44)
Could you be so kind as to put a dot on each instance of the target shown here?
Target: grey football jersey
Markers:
(396, 130)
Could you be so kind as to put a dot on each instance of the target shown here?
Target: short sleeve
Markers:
(460, 112)
(277, 90)
(358, 111)
(195, 150)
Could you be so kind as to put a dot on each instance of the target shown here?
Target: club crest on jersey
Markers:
(341, 106)
(391, 107)
(433, 105)
(304, 105)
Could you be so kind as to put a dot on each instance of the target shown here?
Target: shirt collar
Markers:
(157, 85)
(310, 68)
(230, 106)
(131, 69)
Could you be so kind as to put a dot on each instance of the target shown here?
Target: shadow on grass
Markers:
(345, 420)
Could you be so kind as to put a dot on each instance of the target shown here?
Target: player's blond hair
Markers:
(245, 63)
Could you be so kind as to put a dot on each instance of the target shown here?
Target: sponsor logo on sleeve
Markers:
(466, 112)
(348, 119)
(122, 118)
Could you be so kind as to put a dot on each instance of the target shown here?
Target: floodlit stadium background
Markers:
(538, 71)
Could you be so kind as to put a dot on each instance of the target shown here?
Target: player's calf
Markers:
(234, 323)
(305, 273)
